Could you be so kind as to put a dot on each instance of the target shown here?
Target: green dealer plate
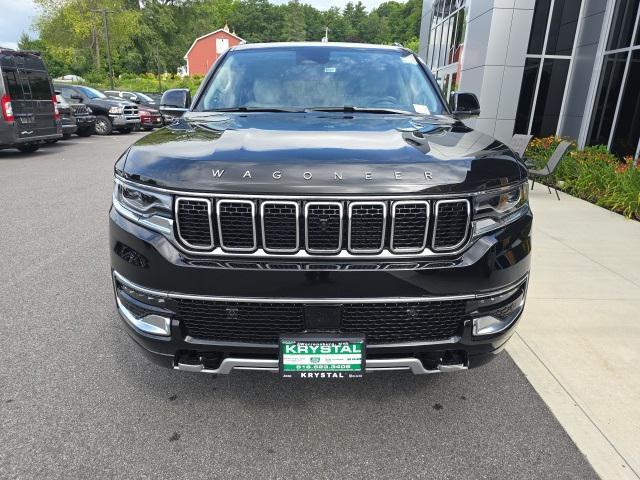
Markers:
(318, 357)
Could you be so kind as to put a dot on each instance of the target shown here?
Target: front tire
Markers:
(103, 125)
(29, 148)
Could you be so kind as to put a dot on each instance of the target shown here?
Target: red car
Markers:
(150, 118)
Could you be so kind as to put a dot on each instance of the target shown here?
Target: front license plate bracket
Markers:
(313, 356)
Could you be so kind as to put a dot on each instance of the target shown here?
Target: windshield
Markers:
(92, 92)
(144, 97)
(321, 77)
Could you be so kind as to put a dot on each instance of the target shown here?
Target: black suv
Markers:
(321, 211)
(111, 114)
(29, 114)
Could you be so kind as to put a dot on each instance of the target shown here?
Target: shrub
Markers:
(593, 174)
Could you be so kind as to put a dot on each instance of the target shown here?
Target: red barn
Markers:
(205, 50)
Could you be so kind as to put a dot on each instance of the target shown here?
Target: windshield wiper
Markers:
(256, 109)
(350, 109)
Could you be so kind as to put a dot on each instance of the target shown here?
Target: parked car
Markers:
(135, 97)
(85, 119)
(150, 118)
(111, 114)
(323, 215)
(29, 113)
(67, 118)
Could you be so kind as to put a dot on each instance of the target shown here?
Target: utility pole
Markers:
(105, 22)
(158, 66)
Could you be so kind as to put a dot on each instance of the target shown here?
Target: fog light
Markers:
(500, 319)
(152, 323)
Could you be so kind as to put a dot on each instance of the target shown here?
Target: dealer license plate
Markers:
(318, 357)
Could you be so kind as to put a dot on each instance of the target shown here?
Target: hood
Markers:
(320, 153)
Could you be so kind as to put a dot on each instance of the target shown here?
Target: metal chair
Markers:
(551, 165)
(519, 143)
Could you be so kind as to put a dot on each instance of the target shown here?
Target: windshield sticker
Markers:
(329, 69)
(421, 108)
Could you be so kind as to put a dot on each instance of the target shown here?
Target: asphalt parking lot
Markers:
(77, 399)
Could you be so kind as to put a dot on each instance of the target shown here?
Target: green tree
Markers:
(294, 22)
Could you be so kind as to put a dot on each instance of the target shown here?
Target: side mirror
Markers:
(134, 99)
(75, 96)
(464, 105)
(175, 102)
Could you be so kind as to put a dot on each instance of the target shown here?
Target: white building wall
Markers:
(493, 61)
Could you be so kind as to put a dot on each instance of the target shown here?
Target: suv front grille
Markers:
(79, 109)
(324, 227)
(130, 110)
(264, 322)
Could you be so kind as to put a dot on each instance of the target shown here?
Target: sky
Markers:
(17, 16)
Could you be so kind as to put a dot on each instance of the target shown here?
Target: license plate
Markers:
(318, 357)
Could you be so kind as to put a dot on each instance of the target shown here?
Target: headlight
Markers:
(89, 111)
(495, 210)
(142, 202)
(115, 110)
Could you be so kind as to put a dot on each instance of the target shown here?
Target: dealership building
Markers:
(543, 67)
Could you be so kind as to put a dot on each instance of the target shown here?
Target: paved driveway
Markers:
(77, 400)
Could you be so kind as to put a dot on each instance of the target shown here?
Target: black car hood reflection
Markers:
(320, 153)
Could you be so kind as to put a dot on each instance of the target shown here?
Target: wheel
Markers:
(29, 148)
(86, 132)
(103, 125)
(66, 136)
(126, 130)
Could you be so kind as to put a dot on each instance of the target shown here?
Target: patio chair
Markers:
(519, 143)
(550, 167)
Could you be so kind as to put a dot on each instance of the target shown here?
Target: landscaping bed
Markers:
(593, 174)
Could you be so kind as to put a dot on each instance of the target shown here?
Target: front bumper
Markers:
(124, 120)
(85, 121)
(493, 269)
(153, 122)
(69, 128)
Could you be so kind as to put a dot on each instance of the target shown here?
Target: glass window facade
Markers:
(549, 58)
(614, 119)
(446, 43)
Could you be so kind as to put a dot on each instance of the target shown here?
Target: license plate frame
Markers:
(346, 359)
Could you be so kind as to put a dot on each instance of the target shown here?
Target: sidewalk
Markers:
(579, 341)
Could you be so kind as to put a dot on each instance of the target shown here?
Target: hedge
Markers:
(593, 174)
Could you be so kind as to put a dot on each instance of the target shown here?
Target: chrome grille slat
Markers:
(451, 225)
(280, 226)
(237, 225)
(323, 227)
(367, 226)
(410, 225)
(194, 215)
